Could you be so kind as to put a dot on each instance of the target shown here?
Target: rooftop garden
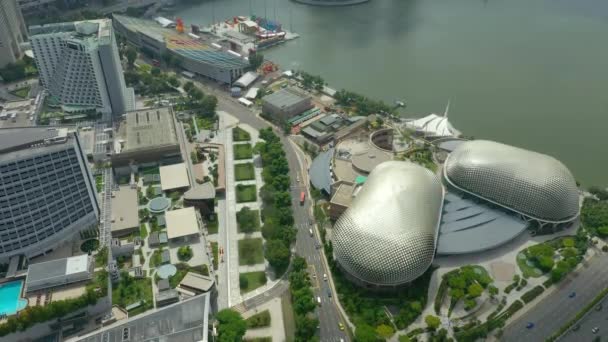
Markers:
(129, 291)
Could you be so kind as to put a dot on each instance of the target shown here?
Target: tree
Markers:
(231, 326)
(602, 231)
(209, 104)
(385, 331)
(457, 282)
(306, 326)
(155, 71)
(243, 282)
(456, 294)
(247, 219)
(173, 81)
(545, 263)
(432, 322)
(184, 253)
(365, 333)
(256, 60)
(131, 55)
(475, 290)
(277, 254)
(13, 71)
(188, 86)
(469, 304)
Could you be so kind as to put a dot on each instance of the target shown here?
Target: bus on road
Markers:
(302, 197)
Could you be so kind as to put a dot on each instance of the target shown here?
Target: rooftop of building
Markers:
(344, 194)
(197, 281)
(200, 192)
(45, 272)
(86, 30)
(125, 209)
(320, 170)
(185, 321)
(285, 98)
(181, 43)
(182, 222)
(174, 177)
(468, 226)
(14, 139)
(147, 128)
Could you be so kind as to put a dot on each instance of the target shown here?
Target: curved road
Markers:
(328, 313)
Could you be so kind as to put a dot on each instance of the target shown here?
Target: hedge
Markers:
(530, 295)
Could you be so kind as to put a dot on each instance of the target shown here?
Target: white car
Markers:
(325, 276)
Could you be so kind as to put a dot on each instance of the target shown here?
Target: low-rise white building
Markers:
(182, 223)
(58, 272)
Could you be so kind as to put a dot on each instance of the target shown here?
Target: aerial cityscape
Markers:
(303, 170)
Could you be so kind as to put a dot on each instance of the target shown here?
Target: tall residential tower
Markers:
(80, 67)
(12, 32)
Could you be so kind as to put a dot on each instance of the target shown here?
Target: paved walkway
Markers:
(276, 330)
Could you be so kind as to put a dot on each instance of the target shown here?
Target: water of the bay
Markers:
(531, 73)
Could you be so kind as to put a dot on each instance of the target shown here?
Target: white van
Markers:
(310, 231)
(319, 300)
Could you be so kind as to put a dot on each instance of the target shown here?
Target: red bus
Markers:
(302, 197)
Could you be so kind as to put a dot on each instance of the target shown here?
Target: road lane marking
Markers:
(314, 280)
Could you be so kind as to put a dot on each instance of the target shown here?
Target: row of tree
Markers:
(303, 301)
(277, 213)
(231, 326)
(361, 104)
(310, 82)
(19, 70)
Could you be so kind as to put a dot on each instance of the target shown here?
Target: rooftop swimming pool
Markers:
(10, 298)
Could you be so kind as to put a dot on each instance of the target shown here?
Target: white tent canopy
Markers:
(434, 125)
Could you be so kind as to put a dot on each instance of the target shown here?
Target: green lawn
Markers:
(239, 134)
(130, 290)
(242, 151)
(21, 92)
(244, 172)
(245, 193)
(215, 251)
(251, 251)
(252, 280)
(143, 231)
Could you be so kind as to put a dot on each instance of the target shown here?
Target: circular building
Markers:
(534, 185)
(387, 237)
(331, 2)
